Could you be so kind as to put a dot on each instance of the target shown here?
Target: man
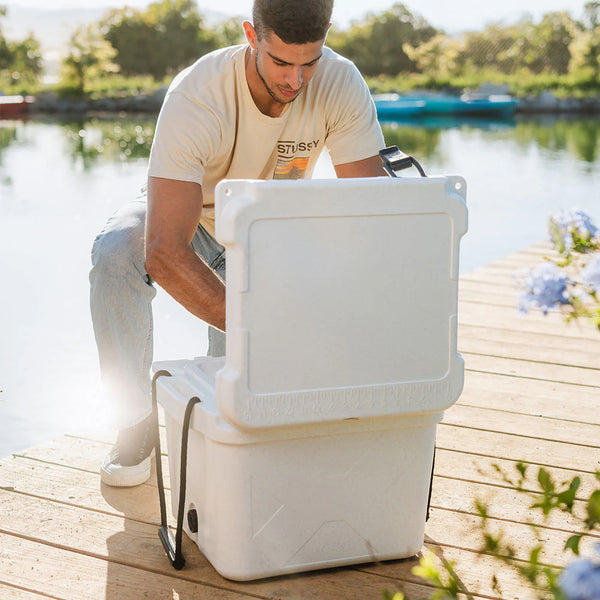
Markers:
(262, 110)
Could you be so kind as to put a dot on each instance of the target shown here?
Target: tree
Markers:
(376, 44)
(160, 40)
(585, 52)
(441, 55)
(552, 37)
(591, 15)
(89, 55)
(20, 61)
(230, 32)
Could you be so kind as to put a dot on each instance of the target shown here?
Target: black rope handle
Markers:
(395, 160)
(172, 545)
(430, 484)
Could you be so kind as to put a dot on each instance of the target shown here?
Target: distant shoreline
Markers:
(545, 103)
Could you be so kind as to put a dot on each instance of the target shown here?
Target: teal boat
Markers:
(394, 106)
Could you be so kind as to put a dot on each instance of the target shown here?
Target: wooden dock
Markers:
(532, 394)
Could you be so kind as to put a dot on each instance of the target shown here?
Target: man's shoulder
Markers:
(334, 73)
(331, 59)
(212, 69)
(334, 67)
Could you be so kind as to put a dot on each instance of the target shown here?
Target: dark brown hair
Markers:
(293, 21)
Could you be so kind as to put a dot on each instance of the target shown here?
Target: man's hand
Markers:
(368, 167)
(174, 209)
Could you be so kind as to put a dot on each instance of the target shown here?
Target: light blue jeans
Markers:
(121, 293)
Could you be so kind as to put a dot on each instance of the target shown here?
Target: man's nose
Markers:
(294, 77)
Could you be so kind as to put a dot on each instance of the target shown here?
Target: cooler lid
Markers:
(341, 298)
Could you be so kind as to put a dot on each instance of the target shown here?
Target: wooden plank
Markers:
(512, 447)
(83, 454)
(453, 465)
(67, 575)
(577, 352)
(485, 297)
(79, 488)
(537, 353)
(533, 397)
(9, 592)
(532, 370)
(471, 313)
(584, 435)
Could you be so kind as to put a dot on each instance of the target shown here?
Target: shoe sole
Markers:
(118, 476)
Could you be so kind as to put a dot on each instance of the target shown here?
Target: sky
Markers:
(450, 15)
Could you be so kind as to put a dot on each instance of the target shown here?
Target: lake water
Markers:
(60, 180)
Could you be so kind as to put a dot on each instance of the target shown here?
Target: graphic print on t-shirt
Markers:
(290, 168)
(289, 165)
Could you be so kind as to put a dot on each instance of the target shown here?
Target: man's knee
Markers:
(120, 247)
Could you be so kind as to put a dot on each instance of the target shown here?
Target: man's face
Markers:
(285, 69)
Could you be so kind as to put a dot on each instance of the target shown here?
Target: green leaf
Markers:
(573, 544)
(593, 510)
(545, 481)
(567, 498)
(427, 569)
(396, 596)
(481, 508)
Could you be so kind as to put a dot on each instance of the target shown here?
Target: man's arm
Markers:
(368, 167)
(174, 209)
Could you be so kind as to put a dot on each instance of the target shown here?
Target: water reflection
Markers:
(119, 139)
(418, 141)
(8, 134)
(579, 137)
(123, 139)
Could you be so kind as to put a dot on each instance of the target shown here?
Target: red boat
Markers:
(13, 106)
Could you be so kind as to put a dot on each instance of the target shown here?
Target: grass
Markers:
(524, 83)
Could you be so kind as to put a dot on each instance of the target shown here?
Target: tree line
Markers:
(168, 35)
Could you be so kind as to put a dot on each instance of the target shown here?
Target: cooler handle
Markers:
(172, 545)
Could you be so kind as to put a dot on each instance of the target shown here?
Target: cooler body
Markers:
(299, 498)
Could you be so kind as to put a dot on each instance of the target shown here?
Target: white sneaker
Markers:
(130, 459)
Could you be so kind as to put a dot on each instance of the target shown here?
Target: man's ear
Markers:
(250, 33)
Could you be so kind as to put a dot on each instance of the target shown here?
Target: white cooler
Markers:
(313, 442)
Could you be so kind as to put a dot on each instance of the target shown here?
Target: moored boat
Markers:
(11, 106)
(397, 106)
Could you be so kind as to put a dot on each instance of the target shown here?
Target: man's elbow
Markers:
(159, 259)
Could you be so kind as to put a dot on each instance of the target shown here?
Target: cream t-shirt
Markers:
(210, 129)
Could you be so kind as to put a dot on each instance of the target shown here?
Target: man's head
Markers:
(287, 42)
(293, 21)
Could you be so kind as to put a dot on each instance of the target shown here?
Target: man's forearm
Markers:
(190, 281)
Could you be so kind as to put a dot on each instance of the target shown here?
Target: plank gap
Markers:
(530, 378)
(525, 414)
(510, 459)
(28, 590)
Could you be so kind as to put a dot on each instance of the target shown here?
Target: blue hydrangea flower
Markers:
(569, 226)
(581, 579)
(590, 274)
(546, 288)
